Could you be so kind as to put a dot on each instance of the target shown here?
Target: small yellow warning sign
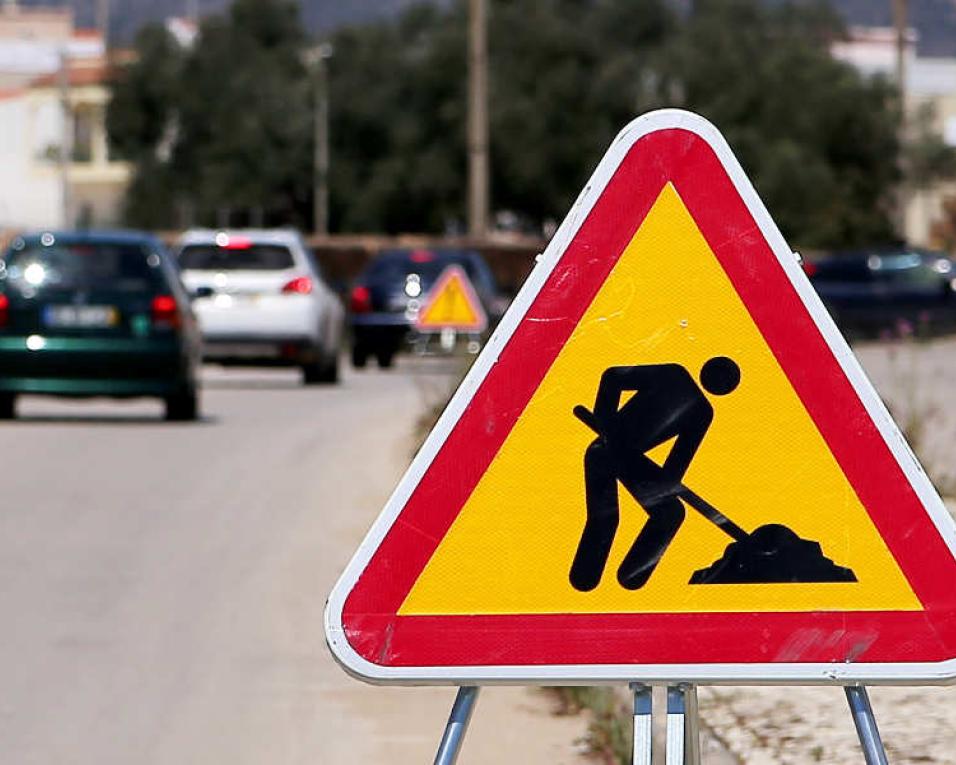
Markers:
(452, 304)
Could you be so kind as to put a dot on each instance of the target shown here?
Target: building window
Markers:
(83, 135)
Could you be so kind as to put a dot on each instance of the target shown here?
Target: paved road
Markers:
(162, 585)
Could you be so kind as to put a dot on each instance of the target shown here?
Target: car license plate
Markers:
(235, 300)
(81, 316)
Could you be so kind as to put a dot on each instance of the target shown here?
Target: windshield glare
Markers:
(119, 267)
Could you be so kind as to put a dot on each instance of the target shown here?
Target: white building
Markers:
(53, 97)
(929, 83)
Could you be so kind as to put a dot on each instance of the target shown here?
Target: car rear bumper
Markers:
(265, 319)
(375, 331)
(93, 366)
(379, 320)
(275, 349)
(380, 337)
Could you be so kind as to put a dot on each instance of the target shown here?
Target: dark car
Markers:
(96, 314)
(388, 294)
(898, 290)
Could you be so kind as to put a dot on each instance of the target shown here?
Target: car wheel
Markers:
(385, 358)
(8, 406)
(316, 373)
(324, 370)
(331, 370)
(182, 407)
(359, 356)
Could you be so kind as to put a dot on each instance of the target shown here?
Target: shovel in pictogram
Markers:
(771, 554)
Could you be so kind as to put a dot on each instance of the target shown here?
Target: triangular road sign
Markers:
(452, 303)
(665, 465)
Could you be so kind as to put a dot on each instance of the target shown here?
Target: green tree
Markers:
(227, 124)
(142, 106)
(565, 75)
(818, 140)
(140, 122)
(228, 128)
(245, 114)
(397, 95)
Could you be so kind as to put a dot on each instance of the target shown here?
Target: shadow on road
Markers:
(253, 383)
(106, 419)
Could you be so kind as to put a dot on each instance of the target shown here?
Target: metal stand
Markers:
(865, 722)
(683, 729)
(458, 720)
(643, 723)
(691, 726)
(683, 725)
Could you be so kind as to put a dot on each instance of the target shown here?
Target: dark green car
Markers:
(96, 314)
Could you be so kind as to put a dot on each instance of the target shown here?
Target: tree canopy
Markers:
(223, 126)
(228, 123)
(818, 140)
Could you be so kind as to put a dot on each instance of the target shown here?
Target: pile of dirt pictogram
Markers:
(772, 554)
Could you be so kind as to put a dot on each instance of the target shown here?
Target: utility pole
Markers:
(66, 139)
(103, 22)
(478, 185)
(901, 24)
(320, 169)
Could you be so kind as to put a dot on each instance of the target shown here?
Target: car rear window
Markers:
(252, 257)
(909, 269)
(395, 267)
(87, 265)
(841, 269)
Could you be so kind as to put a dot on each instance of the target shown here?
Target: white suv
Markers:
(260, 299)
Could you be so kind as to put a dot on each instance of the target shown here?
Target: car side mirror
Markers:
(203, 292)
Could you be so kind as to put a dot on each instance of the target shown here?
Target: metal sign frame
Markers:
(770, 673)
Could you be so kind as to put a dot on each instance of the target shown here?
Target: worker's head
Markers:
(720, 376)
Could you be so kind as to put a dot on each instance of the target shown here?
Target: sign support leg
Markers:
(691, 726)
(643, 728)
(683, 737)
(458, 720)
(675, 726)
(865, 722)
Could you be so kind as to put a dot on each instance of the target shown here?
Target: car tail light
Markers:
(227, 242)
(4, 310)
(165, 312)
(361, 301)
(301, 285)
(810, 269)
(422, 256)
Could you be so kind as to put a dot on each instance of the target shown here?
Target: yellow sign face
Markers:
(760, 460)
(452, 304)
